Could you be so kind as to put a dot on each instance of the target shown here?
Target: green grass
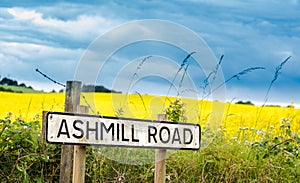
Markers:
(224, 160)
(26, 157)
(18, 89)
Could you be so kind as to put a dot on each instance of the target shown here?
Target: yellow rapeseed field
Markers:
(232, 118)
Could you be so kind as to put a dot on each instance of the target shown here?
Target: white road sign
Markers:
(81, 129)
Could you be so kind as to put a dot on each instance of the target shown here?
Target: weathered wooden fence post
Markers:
(79, 155)
(72, 100)
(160, 158)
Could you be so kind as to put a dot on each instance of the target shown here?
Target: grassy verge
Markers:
(18, 89)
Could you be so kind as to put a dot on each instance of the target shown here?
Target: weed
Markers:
(276, 74)
(24, 155)
(175, 111)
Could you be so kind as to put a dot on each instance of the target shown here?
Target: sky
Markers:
(53, 36)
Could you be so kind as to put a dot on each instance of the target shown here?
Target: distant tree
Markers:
(102, 89)
(92, 88)
(8, 82)
(272, 105)
(246, 103)
(290, 106)
(22, 85)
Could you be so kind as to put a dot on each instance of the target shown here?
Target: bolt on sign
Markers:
(82, 129)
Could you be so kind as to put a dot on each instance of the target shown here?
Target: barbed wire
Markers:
(58, 83)
(37, 70)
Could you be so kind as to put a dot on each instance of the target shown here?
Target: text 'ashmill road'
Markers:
(68, 128)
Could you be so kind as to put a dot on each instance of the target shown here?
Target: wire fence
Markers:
(63, 85)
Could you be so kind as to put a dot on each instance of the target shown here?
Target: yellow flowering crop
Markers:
(29, 106)
(232, 117)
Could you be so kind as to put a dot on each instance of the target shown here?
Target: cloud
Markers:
(19, 60)
(34, 52)
(82, 28)
(22, 14)
(248, 33)
(31, 39)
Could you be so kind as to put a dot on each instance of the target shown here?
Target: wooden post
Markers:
(44, 125)
(160, 159)
(73, 89)
(79, 156)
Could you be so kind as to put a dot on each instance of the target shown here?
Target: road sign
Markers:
(82, 129)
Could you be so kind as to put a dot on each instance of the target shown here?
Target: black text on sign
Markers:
(69, 128)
